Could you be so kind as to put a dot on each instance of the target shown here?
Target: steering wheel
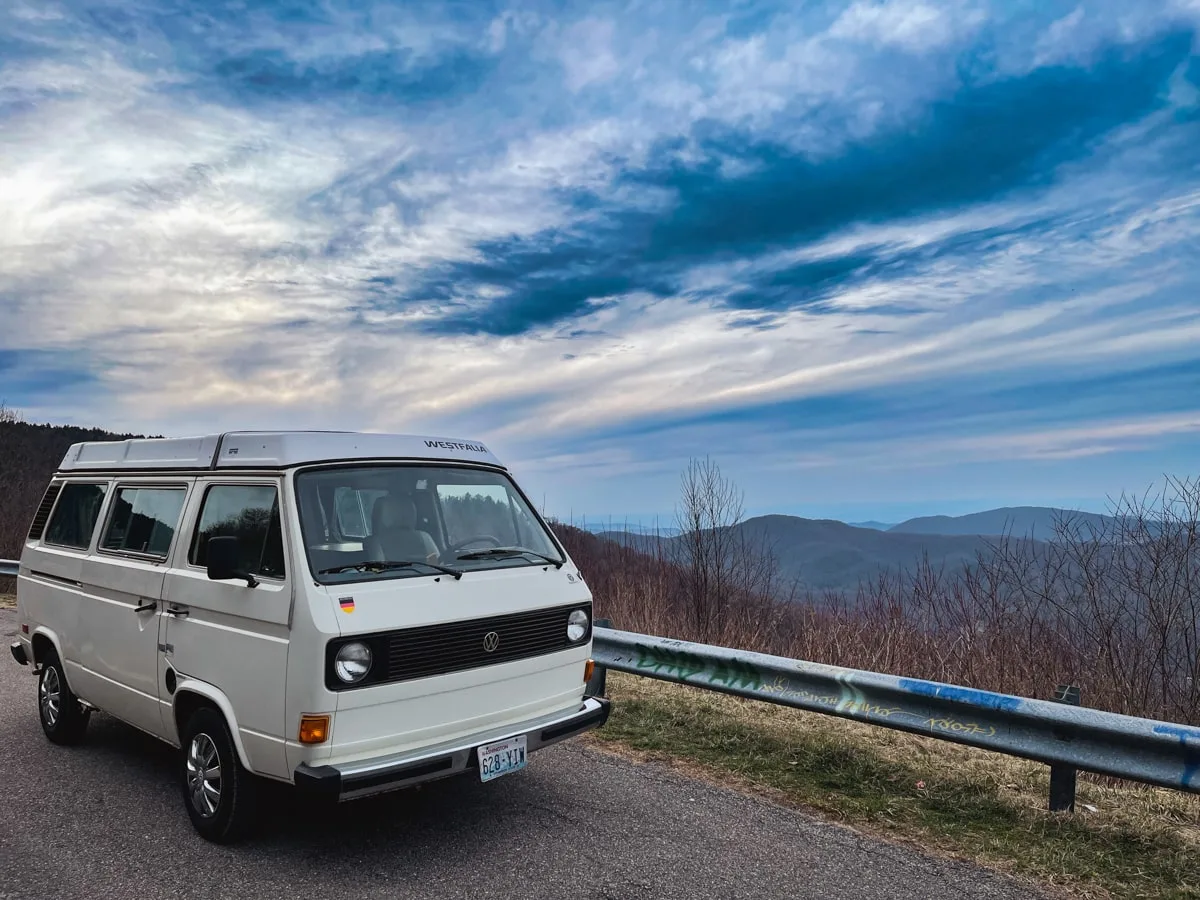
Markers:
(462, 545)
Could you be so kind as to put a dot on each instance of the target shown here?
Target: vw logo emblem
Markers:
(491, 641)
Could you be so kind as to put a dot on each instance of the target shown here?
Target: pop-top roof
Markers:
(267, 450)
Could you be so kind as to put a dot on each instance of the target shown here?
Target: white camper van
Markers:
(347, 613)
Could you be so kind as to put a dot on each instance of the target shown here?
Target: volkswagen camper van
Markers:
(345, 613)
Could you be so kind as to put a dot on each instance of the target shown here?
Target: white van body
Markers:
(479, 637)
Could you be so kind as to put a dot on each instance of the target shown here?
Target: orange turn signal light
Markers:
(588, 670)
(314, 729)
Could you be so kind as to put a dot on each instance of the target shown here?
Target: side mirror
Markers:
(224, 559)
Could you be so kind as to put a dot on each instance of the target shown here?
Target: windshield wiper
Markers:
(511, 551)
(384, 565)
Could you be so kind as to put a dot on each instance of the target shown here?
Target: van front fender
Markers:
(216, 697)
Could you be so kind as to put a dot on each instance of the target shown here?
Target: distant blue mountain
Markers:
(1038, 522)
(613, 527)
(828, 554)
(825, 554)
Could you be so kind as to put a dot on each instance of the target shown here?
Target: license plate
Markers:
(501, 758)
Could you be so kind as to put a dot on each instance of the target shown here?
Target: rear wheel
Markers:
(218, 791)
(63, 717)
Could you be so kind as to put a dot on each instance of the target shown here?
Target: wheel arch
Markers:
(191, 695)
(44, 639)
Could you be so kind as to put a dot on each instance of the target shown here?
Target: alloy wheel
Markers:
(50, 696)
(204, 775)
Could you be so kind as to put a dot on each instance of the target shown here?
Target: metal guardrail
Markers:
(1065, 736)
(1053, 732)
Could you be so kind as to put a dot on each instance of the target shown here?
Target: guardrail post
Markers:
(1062, 778)
(597, 685)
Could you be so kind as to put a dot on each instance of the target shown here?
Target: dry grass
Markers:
(8, 601)
(1127, 841)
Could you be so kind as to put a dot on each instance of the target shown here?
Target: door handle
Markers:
(146, 607)
(177, 611)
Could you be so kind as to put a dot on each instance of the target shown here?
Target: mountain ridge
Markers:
(828, 554)
(1019, 521)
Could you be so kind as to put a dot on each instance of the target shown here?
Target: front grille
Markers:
(454, 647)
(414, 653)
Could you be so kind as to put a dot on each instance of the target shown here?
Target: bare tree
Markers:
(729, 574)
(709, 506)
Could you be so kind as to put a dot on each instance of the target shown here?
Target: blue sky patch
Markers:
(878, 257)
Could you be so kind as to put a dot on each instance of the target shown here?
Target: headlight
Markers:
(577, 625)
(353, 662)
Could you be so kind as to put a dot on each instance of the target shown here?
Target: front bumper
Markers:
(349, 781)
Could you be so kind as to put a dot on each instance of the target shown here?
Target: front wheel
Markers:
(218, 791)
(63, 717)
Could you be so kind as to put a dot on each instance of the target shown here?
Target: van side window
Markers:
(143, 520)
(251, 514)
(75, 516)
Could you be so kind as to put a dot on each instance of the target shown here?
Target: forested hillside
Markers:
(28, 456)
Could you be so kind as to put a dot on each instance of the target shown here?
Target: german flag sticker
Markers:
(346, 603)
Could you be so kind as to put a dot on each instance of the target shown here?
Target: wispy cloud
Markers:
(914, 26)
(853, 239)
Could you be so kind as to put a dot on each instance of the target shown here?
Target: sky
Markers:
(874, 259)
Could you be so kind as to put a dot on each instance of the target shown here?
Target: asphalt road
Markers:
(105, 820)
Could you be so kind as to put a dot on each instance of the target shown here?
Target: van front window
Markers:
(403, 521)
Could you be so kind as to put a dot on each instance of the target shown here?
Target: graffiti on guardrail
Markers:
(954, 727)
(666, 662)
(691, 668)
(847, 701)
(686, 666)
(1191, 748)
(969, 696)
(782, 687)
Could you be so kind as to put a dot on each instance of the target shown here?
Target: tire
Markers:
(222, 806)
(63, 717)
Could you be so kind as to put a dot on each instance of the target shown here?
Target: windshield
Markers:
(358, 523)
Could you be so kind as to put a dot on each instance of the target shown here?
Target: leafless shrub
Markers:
(1113, 608)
